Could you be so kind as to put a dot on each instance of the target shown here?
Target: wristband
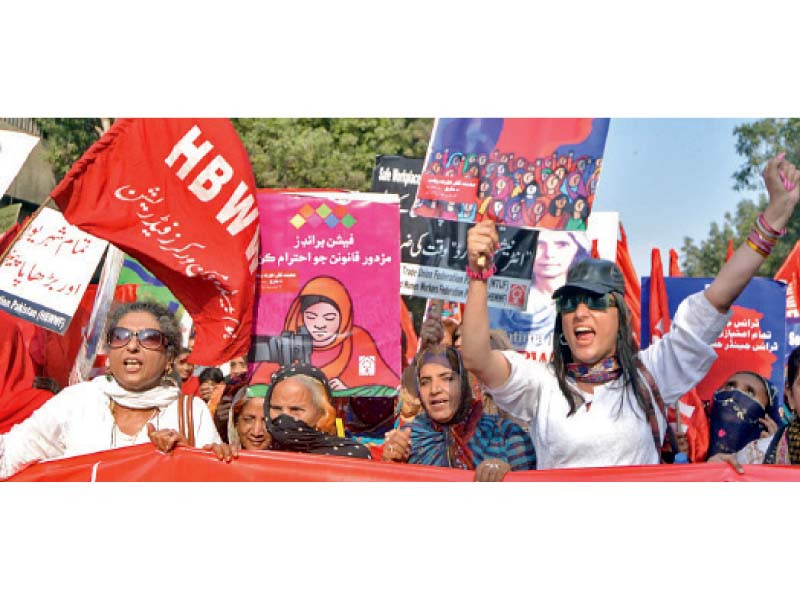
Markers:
(483, 275)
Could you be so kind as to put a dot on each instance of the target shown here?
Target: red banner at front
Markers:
(145, 463)
(178, 195)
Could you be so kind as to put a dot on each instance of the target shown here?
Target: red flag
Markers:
(659, 309)
(177, 195)
(674, 269)
(790, 265)
(633, 289)
(692, 414)
(595, 251)
(18, 398)
(730, 251)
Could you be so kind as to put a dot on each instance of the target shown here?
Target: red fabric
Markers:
(145, 463)
(674, 269)
(190, 386)
(177, 195)
(692, 415)
(659, 309)
(633, 289)
(407, 323)
(695, 426)
(18, 398)
(730, 251)
(790, 266)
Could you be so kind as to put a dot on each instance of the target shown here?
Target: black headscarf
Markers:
(295, 435)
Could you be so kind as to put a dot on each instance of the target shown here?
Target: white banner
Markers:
(46, 272)
(14, 150)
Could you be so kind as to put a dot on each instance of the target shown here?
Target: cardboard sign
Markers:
(45, 274)
(339, 252)
(540, 173)
(14, 150)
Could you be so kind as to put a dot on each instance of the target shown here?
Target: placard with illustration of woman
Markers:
(328, 289)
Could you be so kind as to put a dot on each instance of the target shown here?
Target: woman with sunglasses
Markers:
(135, 402)
(599, 402)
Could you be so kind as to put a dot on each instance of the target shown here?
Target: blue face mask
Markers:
(734, 421)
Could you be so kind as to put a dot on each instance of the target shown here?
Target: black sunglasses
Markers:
(151, 339)
(569, 302)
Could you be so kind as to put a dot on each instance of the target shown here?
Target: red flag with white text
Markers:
(179, 196)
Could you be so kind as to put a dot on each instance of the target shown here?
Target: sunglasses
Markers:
(150, 339)
(569, 303)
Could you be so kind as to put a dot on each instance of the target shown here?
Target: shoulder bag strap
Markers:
(189, 419)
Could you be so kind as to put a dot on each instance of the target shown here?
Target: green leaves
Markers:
(756, 142)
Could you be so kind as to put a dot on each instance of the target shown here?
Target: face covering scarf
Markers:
(294, 435)
(734, 421)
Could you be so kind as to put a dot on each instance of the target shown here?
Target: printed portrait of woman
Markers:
(556, 251)
(345, 352)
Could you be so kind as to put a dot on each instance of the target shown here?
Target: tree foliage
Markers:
(65, 140)
(756, 143)
(327, 152)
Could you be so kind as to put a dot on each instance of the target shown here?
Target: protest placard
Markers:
(14, 150)
(754, 339)
(531, 331)
(327, 289)
(434, 261)
(93, 336)
(522, 172)
(45, 273)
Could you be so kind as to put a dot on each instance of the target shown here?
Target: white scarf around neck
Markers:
(159, 397)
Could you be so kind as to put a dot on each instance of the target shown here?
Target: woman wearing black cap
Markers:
(599, 402)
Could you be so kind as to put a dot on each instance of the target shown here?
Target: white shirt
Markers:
(78, 420)
(614, 430)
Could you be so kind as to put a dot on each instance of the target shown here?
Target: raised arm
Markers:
(490, 366)
(745, 262)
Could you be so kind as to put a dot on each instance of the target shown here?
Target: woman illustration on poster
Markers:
(345, 352)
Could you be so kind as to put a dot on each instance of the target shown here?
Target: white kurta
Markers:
(78, 420)
(614, 431)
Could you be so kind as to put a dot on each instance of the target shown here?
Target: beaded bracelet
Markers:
(483, 275)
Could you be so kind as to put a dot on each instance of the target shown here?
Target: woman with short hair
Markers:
(135, 402)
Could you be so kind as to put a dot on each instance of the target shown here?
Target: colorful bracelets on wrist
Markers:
(763, 237)
(483, 275)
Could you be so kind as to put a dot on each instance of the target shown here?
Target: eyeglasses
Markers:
(150, 339)
(569, 303)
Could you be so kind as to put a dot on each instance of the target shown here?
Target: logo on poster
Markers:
(366, 366)
(516, 295)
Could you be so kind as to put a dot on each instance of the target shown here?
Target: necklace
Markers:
(114, 427)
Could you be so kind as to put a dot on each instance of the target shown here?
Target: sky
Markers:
(668, 179)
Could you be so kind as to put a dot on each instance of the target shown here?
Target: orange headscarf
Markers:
(332, 289)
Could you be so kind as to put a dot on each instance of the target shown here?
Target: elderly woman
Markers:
(599, 402)
(301, 417)
(135, 402)
(453, 431)
(247, 426)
